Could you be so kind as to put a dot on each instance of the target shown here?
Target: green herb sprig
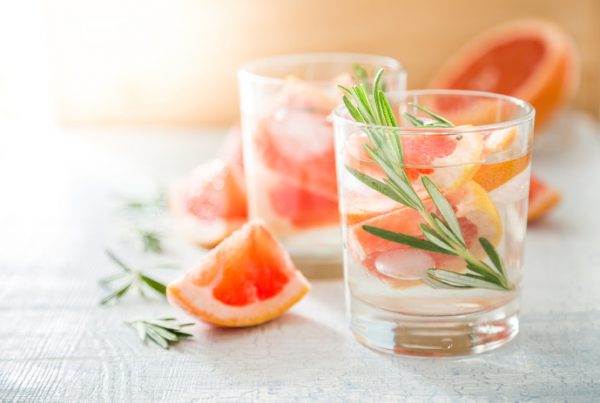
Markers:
(163, 331)
(441, 232)
(151, 240)
(129, 279)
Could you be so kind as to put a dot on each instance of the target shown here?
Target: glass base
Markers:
(317, 253)
(459, 335)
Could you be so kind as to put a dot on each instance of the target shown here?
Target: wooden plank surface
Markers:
(57, 345)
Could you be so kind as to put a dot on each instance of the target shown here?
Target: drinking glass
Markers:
(461, 295)
(289, 155)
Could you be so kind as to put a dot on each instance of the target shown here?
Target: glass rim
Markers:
(528, 108)
(248, 69)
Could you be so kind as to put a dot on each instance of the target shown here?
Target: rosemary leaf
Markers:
(461, 280)
(163, 333)
(443, 228)
(155, 285)
(118, 261)
(376, 185)
(443, 207)
(115, 295)
(413, 120)
(352, 110)
(441, 120)
(159, 332)
(387, 109)
(157, 338)
(492, 254)
(436, 238)
(414, 242)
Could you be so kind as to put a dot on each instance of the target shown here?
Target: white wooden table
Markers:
(57, 214)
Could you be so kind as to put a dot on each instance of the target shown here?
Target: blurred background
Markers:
(173, 63)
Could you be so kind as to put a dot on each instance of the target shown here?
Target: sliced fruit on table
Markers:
(246, 280)
(303, 208)
(299, 145)
(231, 150)
(530, 59)
(456, 156)
(401, 265)
(210, 203)
(542, 199)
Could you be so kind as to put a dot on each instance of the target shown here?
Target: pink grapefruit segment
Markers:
(397, 263)
(210, 203)
(248, 279)
(542, 199)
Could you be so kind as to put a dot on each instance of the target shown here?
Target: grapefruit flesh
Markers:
(303, 208)
(492, 176)
(401, 265)
(210, 203)
(248, 279)
(542, 199)
(530, 59)
(448, 160)
(297, 148)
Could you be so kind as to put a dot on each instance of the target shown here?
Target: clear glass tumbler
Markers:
(289, 154)
(434, 221)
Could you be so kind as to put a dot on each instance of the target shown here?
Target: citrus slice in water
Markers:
(248, 279)
(402, 265)
(448, 160)
(301, 207)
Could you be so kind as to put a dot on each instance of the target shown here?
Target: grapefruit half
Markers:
(530, 59)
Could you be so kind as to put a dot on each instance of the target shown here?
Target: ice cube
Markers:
(404, 263)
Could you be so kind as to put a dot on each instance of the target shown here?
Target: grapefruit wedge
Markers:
(542, 199)
(530, 59)
(210, 203)
(246, 280)
(403, 266)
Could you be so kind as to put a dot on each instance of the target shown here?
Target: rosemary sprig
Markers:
(159, 202)
(362, 76)
(129, 279)
(441, 233)
(151, 241)
(162, 331)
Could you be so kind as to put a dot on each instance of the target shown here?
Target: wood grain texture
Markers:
(58, 345)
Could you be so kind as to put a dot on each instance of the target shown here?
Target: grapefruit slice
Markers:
(492, 176)
(495, 141)
(210, 203)
(542, 199)
(455, 158)
(530, 59)
(302, 207)
(296, 148)
(299, 145)
(403, 266)
(246, 280)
